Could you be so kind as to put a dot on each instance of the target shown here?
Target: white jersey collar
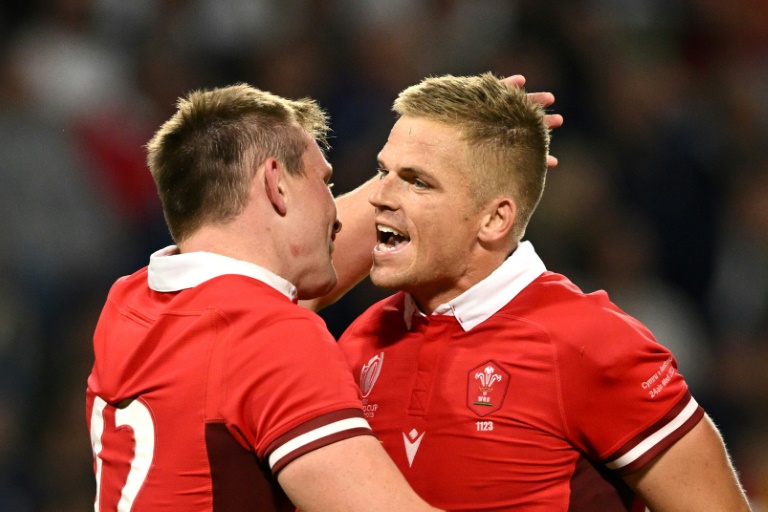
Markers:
(481, 301)
(170, 271)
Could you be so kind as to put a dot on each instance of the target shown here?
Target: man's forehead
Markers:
(422, 137)
(422, 131)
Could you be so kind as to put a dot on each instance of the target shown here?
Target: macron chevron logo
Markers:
(412, 442)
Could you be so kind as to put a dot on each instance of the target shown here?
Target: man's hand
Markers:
(544, 99)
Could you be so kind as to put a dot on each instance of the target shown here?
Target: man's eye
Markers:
(381, 172)
(420, 184)
(329, 185)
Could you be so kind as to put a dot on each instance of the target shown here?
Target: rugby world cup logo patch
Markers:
(486, 388)
(369, 373)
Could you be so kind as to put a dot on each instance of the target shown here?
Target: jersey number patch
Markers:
(123, 443)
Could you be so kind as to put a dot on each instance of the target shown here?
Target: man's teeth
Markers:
(383, 247)
(390, 239)
(387, 229)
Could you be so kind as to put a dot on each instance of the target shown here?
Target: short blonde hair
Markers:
(204, 157)
(505, 132)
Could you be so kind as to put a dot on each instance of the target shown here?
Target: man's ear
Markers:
(274, 185)
(498, 221)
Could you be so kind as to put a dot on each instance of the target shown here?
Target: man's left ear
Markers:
(274, 184)
(498, 221)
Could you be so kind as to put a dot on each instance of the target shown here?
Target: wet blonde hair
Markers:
(506, 136)
(204, 157)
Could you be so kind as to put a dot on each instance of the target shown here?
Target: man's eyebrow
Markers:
(408, 170)
(417, 172)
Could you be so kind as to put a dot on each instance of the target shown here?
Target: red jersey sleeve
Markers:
(288, 389)
(623, 399)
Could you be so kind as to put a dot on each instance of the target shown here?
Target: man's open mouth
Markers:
(390, 239)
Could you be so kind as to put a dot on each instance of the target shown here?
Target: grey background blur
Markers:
(661, 195)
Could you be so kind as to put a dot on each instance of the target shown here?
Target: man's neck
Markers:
(225, 241)
(429, 298)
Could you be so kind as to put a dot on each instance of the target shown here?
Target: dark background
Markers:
(661, 195)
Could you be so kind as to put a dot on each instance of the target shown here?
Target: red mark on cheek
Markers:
(294, 250)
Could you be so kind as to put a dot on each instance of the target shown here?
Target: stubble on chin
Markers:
(387, 280)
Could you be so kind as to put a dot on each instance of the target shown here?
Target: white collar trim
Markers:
(484, 299)
(170, 271)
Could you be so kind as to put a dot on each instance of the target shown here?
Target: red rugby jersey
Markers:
(521, 394)
(208, 379)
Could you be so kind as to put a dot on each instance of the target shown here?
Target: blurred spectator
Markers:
(62, 66)
(660, 196)
(739, 309)
(21, 357)
(739, 297)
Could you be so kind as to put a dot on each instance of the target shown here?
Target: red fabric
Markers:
(570, 381)
(230, 351)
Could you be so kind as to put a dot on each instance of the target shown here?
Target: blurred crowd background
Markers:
(661, 195)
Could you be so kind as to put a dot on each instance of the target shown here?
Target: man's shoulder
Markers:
(236, 298)
(252, 304)
(565, 312)
(235, 292)
(555, 294)
(128, 283)
(130, 292)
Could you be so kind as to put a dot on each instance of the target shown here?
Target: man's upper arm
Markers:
(350, 475)
(693, 474)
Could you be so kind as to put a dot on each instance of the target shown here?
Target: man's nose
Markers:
(382, 195)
